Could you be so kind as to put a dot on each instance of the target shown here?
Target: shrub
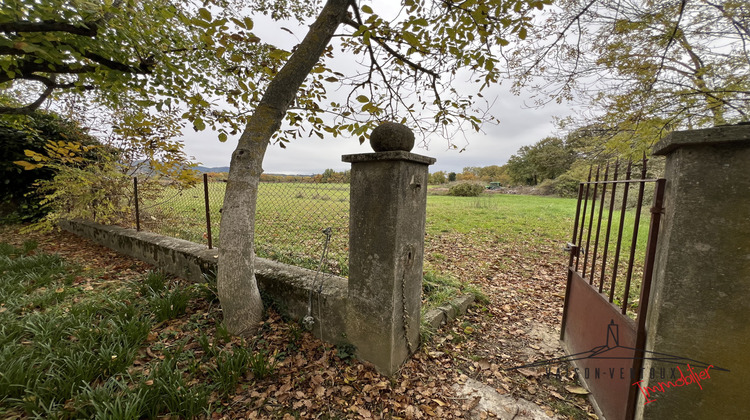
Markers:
(466, 190)
(18, 200)
(546, 187)
(566, 186)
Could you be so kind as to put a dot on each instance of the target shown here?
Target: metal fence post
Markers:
(137, 212)
(208, 213)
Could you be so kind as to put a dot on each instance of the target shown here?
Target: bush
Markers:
(546, 187)
(19, 202)
(566, 186)
(466, 190)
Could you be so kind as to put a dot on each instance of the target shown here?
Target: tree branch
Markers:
(683, 3)
(349, 22)
(560, 36)
(50, 86)
(27, 67)
(143, 68)
(89, 29)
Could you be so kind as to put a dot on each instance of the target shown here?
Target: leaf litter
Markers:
(524, 283)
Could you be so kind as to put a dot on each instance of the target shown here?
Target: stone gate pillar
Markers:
(386, 247)
(700, 296)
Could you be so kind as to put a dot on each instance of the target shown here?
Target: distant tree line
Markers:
(554, 165)
(329, 176)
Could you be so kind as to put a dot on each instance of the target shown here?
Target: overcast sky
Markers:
(519, 126)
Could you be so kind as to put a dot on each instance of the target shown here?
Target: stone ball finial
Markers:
(390, 136)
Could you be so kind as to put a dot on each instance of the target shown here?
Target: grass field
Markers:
(507, 217)
(291, 218)
(534, 224)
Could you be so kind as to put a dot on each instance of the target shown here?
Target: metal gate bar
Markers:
(590, 311)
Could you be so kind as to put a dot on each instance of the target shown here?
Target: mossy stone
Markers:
(390, 136)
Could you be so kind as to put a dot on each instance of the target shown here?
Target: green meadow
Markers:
(291, 218)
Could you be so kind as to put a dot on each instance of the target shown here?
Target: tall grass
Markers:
(71, 357)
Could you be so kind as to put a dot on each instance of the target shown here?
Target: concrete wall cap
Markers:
(722, 135)
(384, 156)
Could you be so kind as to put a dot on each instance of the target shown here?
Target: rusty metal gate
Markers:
(603, 326)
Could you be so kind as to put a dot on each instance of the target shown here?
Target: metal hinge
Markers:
(572, 248)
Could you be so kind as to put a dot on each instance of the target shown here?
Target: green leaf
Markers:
(411, 39)
(365, 8)
(238, 22)
(363, 99)
(278, 54)
(204, 14)
(198, 124)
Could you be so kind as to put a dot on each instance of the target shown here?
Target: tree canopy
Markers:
(204, 59)
(201, 58)
(641, 68)
(546, 159)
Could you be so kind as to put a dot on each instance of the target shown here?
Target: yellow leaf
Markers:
(26, 165)
(576, 390)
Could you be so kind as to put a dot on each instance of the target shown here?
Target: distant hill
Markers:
(216, 169)
(204, 169)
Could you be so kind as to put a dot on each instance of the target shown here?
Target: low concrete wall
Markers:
(287, 286)
(448, 312)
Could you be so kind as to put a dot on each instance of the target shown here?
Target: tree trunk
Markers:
(237, 286)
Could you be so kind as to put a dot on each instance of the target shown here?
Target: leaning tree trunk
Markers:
(238, 289)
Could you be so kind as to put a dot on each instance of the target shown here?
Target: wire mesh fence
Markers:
(292, 213)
